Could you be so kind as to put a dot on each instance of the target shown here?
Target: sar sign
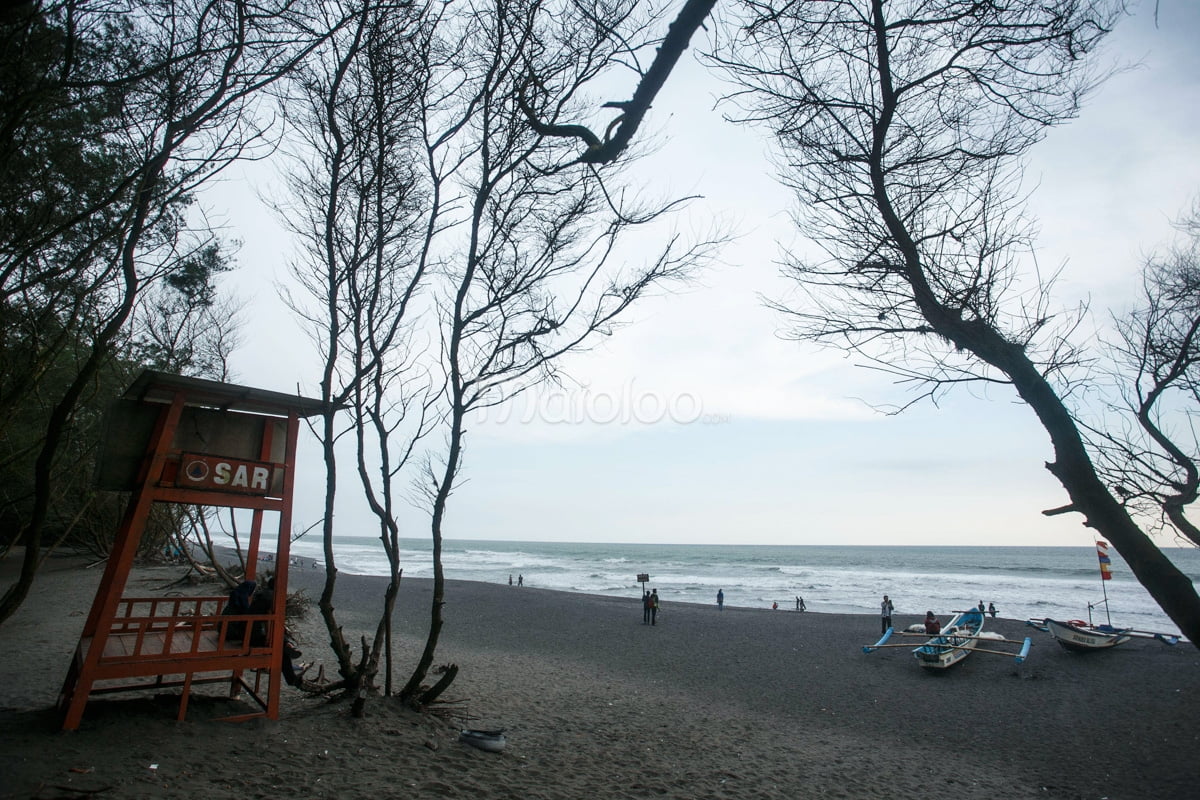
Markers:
(214, 473)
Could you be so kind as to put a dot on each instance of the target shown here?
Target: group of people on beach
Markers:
(520, 580)
(800, 606)
(650, 607)
(886, 608)
(932, 624)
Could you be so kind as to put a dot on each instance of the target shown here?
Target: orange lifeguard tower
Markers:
(173, 439)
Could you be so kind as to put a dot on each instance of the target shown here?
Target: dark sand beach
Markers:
(736, 704)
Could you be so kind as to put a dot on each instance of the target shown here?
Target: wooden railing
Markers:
(151, 629)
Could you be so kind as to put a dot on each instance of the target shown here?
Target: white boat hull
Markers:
(1074, 637)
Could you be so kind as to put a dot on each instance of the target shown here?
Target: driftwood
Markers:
(361, 682)
(433, 692)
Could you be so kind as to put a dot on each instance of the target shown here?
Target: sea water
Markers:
(1023, 582)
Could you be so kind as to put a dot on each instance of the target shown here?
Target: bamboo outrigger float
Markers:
(961, 637)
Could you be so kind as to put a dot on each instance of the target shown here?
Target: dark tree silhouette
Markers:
(900, 127)
(169, 99)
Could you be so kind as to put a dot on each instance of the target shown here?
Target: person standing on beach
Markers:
(992, 610)
(654, 607)
(520, 580)
(510, 579)
(885, 614)
(646, 601)
(720, 599)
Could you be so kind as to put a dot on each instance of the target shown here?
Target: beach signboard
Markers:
(212, 473)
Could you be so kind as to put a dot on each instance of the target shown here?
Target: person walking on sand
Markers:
(885, 614)
(654, 607)
(646, 601)
(800, 604)
(720, 599)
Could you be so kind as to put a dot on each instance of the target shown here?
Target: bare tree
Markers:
(532, 265)
(1151, 463)
(900, 126)
(361, 209)
(187, 329)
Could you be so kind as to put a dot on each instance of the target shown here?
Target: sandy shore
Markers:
(705, 704)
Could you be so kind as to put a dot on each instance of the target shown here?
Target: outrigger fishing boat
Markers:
(1083, 637)
(1075, 636)
(1080, 636)
(962, 636)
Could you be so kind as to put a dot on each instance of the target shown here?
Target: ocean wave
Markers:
(1023, 582)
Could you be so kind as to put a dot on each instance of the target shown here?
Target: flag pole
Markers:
(1107, 613)
(1105, 575)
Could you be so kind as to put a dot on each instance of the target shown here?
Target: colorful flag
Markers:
(1105, 561)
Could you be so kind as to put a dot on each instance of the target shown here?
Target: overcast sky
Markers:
(697, 423)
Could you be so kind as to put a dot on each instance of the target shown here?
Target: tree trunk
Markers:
(411, 690)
